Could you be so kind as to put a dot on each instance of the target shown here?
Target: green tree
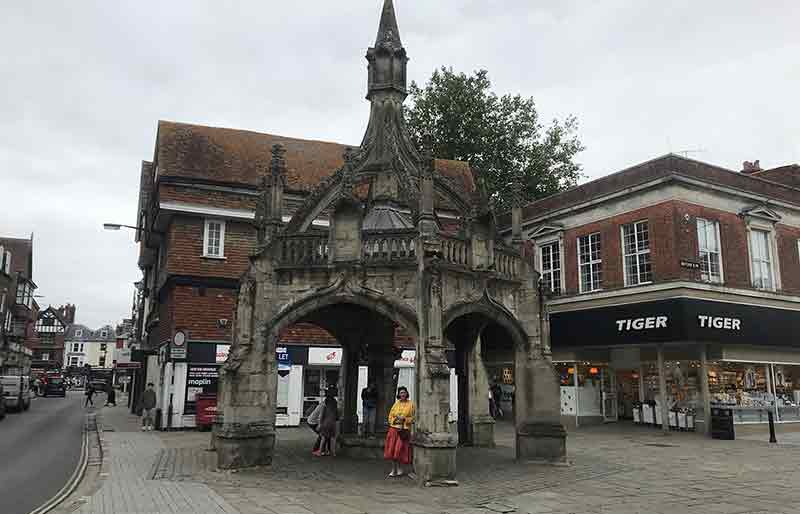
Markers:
(500, 135)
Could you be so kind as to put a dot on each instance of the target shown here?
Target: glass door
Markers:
(608, 382)
(312, 390)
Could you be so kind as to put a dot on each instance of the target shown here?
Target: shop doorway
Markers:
(315, 382)
(608, 381)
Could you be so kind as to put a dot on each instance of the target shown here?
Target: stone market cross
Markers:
(407, 249)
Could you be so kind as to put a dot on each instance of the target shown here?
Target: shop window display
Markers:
(787, 391)
(683, 395)
(744, 387)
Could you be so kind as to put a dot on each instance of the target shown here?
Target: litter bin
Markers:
(205, 410)
(722, 423)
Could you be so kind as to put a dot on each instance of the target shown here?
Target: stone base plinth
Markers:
(483, 431)
(361, 447)
(545, 442)
(244, 449)
(435, 458)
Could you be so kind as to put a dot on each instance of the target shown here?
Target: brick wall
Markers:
(733, 239)
(196, 310)
(673, 237)
(185, 255)
(789, 258)
(661, 221)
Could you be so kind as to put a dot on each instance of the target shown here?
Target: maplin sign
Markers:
(675, 320)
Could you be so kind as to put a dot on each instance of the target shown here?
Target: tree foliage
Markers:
(500, 135)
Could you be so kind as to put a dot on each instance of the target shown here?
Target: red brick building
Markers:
(679, 266)
(197, 207)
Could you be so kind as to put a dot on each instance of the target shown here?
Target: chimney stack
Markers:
(750, 167)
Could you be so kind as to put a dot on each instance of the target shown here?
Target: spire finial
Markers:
(388, 33)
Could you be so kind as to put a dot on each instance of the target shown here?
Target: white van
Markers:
(16, 392)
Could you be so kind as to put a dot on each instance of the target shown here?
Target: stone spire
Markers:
(387, 29)
(387, 145)
(387, 59)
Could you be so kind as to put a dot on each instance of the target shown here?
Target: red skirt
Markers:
(395, 448)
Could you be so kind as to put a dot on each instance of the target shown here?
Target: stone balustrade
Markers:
(455, 251)
(507, 262)
(304, 250)
(395, 246)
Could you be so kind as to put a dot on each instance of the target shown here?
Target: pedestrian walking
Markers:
(369, 404)
(397, 447)
(111, 395)
(327, 424)
(148, 404)
(313, 423)
(89, 394)
(496, 395)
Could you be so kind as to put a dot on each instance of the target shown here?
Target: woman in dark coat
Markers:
(327, 426)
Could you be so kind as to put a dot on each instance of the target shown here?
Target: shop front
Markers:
(618, 362)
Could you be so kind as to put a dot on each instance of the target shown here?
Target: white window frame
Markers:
(590, 262)
(221, 254)
(78, 332)
(558, 243)
(637, 253)
(104, 334)
(769, 230)
(73, 360)
(7, 263)
(719, 246)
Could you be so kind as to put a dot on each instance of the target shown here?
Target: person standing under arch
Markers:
(397, 447)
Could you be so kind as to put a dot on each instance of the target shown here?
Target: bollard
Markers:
(772, 438)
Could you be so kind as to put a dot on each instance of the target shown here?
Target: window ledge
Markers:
(639, 284)
(215, 258)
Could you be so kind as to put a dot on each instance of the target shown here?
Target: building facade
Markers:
(50, 331)
(17, 305)
(674, 279)
(94, 347)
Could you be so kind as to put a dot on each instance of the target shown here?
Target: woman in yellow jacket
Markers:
(398, 440)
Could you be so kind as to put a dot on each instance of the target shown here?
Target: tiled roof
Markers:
(21, 255)
(241, 157)
(788, 175)
(660, 167)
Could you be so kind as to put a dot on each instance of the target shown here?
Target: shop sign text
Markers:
(718, 322)
(642, 323)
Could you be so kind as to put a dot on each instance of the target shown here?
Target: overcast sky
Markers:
(83, 83)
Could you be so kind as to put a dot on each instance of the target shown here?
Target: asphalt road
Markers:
(39, 451)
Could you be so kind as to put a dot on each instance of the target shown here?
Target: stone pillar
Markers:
(481, 422)
(245, 429)
(434, 444)
(662, 391)
(537, 412)
(381, 370)
(350, 393)
(705, 391)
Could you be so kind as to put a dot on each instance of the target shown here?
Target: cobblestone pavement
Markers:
(613, 468)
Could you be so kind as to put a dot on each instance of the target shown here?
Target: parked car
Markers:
(55, 386)
(16, 392)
